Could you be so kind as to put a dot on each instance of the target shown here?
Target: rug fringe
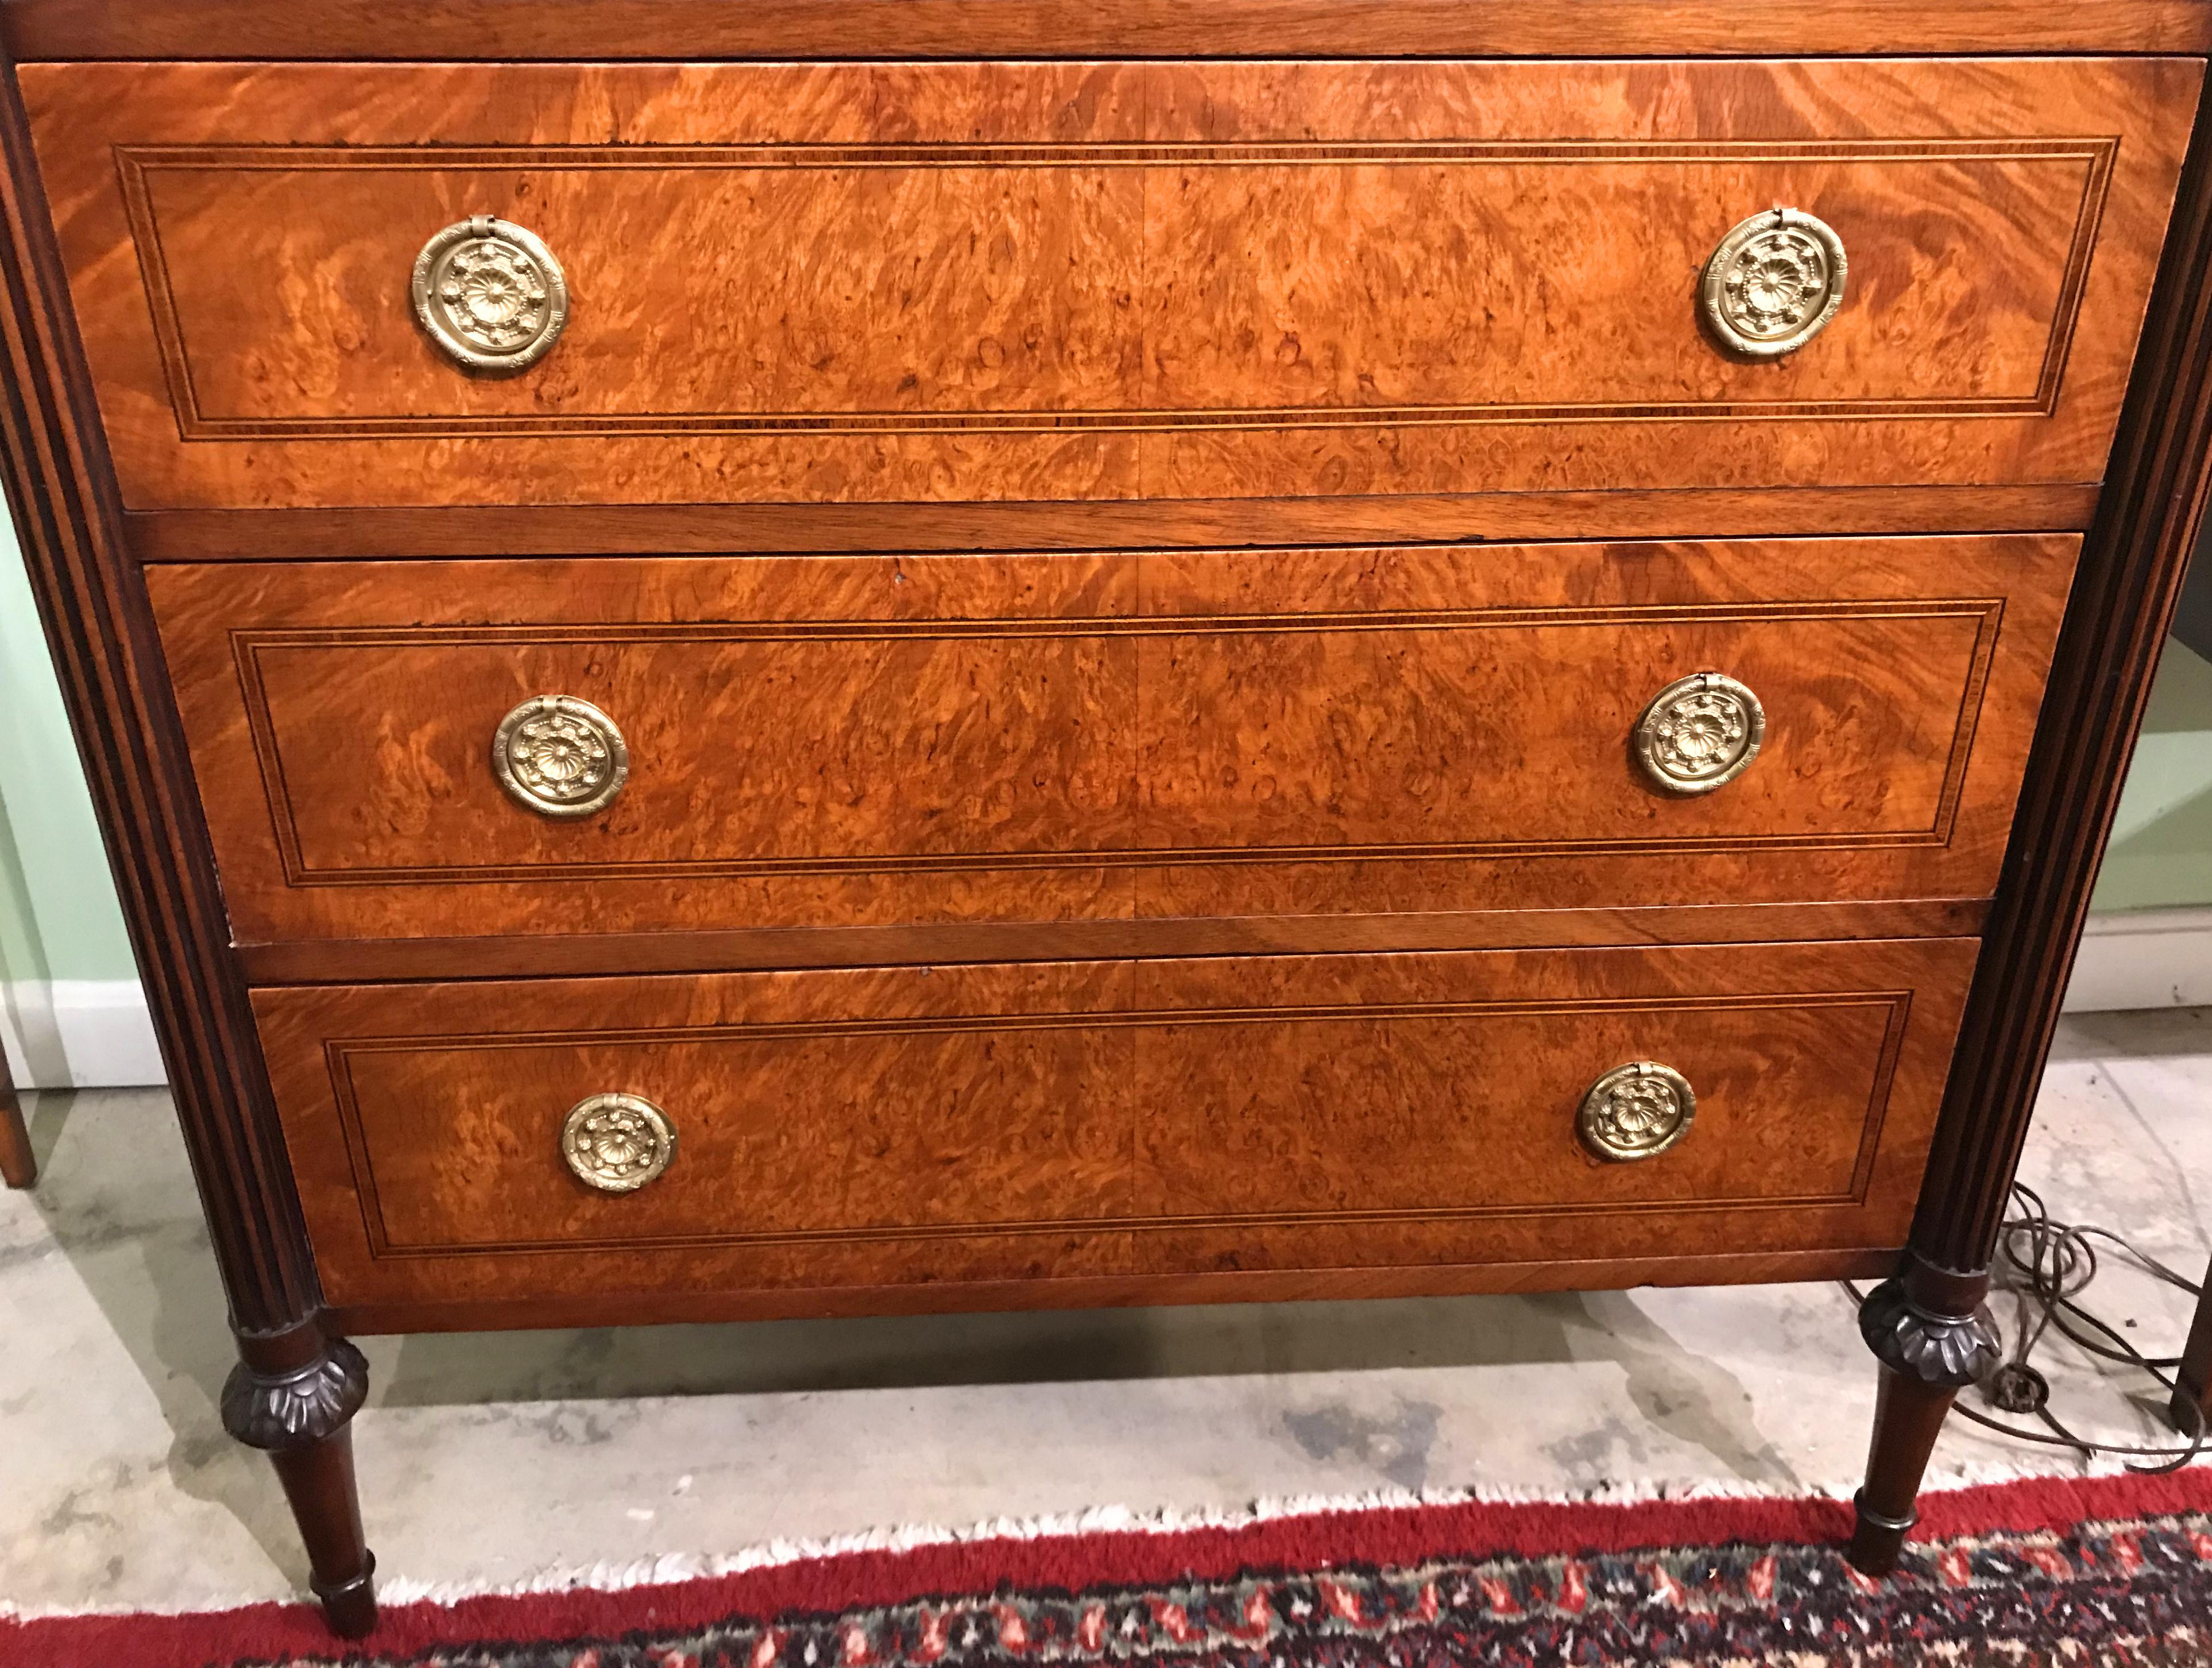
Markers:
(666, 1568)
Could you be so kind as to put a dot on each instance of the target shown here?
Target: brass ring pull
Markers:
(617, 1144)
(491, 294)
(1774, 283)
(1635, 1111)
(1699, 733)
(560, 756)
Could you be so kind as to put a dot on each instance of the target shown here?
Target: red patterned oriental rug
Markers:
(2114, 1570)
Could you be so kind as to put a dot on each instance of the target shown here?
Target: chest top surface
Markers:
(703, 29)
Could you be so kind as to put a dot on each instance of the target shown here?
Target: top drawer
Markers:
(821, 282)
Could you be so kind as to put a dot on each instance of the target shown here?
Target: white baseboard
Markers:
(79, 1034)
(2143, 958)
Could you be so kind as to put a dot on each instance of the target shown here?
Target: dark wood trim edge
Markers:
(396, 531)
(92, 603)
(2124, 599)
(1115, 1291)
(865, 29)
(355, 961)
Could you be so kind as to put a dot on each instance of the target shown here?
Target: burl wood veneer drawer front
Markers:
(1083, 281)
(998, 1123)
(868, 741)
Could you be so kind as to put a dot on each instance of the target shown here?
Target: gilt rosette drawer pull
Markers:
(491, 294)
(617, 1144)
(560, 756)
(1635, 1111)
(1699, 733)
(1774, 283)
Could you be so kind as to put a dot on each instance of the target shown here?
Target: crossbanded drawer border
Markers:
(135, 163)
(248, 643)
(337, 1053)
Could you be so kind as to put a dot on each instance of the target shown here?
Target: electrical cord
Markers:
(2054, 1262)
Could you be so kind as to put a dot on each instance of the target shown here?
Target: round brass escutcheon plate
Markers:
(560, 756)
(1774, 283)
(1699, 733)
(617, 1144)
(491, 294)
(1635, 1111)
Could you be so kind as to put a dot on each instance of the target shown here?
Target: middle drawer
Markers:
(749, 742)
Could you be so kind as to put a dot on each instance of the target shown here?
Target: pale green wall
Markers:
(2161, 852)
(58, 914)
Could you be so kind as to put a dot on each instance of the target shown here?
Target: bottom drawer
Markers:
(1102, 1131)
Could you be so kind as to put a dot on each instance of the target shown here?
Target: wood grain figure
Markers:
(292, 535)
(1116, 1118)
(851, 284)
(1103, 567)
(1105, 736)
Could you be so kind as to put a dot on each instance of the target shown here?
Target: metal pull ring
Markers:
(1774, 283)
(491, 294)
(1699, 733)
(617, 1144)
(560, 756)
(1635, 1111)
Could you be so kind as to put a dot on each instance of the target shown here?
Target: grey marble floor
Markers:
(485, 1459)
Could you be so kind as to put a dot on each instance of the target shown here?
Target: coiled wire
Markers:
(2054, 1262)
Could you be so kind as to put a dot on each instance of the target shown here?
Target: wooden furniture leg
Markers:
(1933, 1336)
(1926, 1325)
(292, 1395)
(2192, 1384)
(18, 1167)
(296, 1387)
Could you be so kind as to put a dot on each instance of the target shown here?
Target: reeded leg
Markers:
(2192, 1393)
(17, 1167)
(294, 1395)
(1933, 1336)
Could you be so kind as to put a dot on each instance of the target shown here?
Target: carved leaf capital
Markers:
(296, 1410)
(1948, 1350)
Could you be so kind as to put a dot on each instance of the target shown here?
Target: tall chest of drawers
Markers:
(917, 654)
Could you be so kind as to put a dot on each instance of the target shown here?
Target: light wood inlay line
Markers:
(1137, 1018)
(249, 647)
(137, 164)
(339, 1055)
(1209, 626)
(385, 1252)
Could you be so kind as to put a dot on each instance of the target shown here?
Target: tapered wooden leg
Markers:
(17, 1167)
(318, 1481)
(1933, 1336)
(1907, 1415)
(294, 1394)
(2192, 1385)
